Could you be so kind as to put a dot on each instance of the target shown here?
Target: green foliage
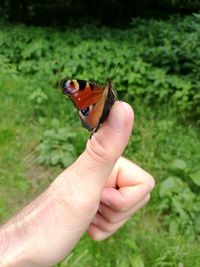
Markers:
(174, 157)
(159, 61)
(56, 147)
(172, 47)
(38, 99)
(40, 131)
(178, 198)
(182, 4)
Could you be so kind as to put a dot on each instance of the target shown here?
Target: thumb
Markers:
(72, 200)
(106, 146)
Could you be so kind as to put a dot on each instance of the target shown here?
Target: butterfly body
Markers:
(92, 101)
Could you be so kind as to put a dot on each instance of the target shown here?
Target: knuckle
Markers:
(110, 215)
(113, 219)
(124, 205)
(97, 151)
(95, 236)
(110, 227)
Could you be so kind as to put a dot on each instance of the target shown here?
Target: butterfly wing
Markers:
(92, 118)
(99, 112)
(92, 101)
(82, 93)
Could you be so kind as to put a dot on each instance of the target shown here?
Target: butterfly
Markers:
(92, 101)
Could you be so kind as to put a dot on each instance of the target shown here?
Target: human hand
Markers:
(127, 190)
(50, 226)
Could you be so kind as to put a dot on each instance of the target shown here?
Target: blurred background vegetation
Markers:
(157, 45)
(111, 12)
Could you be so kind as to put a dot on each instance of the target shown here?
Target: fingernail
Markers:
(118, 116)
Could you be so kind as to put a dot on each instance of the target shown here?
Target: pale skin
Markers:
(98, 193)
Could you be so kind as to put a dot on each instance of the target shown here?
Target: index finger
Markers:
(127, 186)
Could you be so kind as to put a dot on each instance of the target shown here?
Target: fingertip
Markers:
(128, 108)
(150, 182)
(121, 115)
(112, 137)
(97, 234)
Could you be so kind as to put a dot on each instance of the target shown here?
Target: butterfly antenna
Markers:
(114, 71)
(106, 67)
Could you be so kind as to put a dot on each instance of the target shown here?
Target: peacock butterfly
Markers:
(92, 101)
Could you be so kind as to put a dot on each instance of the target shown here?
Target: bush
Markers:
(56, 147)
(180, 4)
(159, 60)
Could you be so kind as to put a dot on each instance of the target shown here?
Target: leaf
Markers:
(55, 123)
(179, 207)
(55, 158)
(195, 177)
(137, 261)
(123, 262)
(179, 164)
(66, 160)
(132, 244)
(170, 185)
(173, 227)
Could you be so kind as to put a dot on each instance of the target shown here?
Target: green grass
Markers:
(164, 141)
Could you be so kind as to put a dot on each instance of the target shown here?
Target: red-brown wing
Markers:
(82, 93)
(85, 98)
(92, 101)
(92, 120)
